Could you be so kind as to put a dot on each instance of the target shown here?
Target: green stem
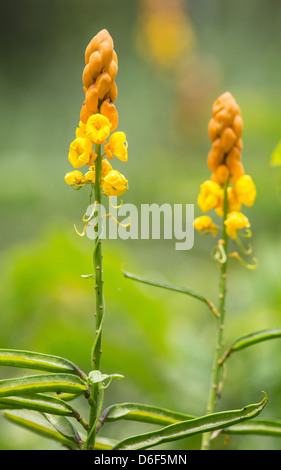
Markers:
(216, 369)
(93, 429)
(96, 349)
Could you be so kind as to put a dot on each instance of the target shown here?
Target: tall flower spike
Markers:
(224, 160)
(98, 121)
(226, 190)
(94, 139)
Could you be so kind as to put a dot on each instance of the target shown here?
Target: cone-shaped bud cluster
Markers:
(225, 130)
(99, 78)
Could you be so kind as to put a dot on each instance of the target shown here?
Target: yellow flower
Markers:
(114, 184)
(205, 224)
(246, 190)
(91, 174)
(74, 178)
(235, 221)
(80, 152)
(105, 168)
(117, 146)
(81, 130)
(98, 128)
(211, 195)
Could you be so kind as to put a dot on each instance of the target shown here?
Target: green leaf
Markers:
(65, 427)
(37, 423)
(64, 396)
(42, 383)
(32, 360)
(181, 290)
(275, 159)
(143, 413)
(263, 428)
(253, 338)
(95, 376)
(188, 428)
(37, 402)
(104, 443)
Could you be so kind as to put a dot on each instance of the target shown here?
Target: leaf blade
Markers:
(65, 427)
(143, 413)
(42, 383)
(170, 287)
(188, 428)
(37, 402)
(39, 361)
(35, 423)
(104, 443)
(259, 427)
(251, 339)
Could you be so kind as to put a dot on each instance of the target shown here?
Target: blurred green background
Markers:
(160, 341)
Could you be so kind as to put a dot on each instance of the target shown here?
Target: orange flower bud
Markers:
(95, 65)
(101, 42)
(103, 84)
(213, 129)
(108, 109)
(84, 113)
(221, 174)
(220, 102)
(228, 139)
(237, 125)
(236, 170)
(112, 94)
(92, 99)
(224, 118)
(86, 78)
(239, 144)
(215, 156)
(233, 155)
(111, 69)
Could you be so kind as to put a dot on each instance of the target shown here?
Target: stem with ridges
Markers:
(213, 393)
(97, 259)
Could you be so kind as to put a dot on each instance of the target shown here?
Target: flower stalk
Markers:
(97, 260)
(215, 378)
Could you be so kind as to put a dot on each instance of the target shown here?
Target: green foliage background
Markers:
(160, 341)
